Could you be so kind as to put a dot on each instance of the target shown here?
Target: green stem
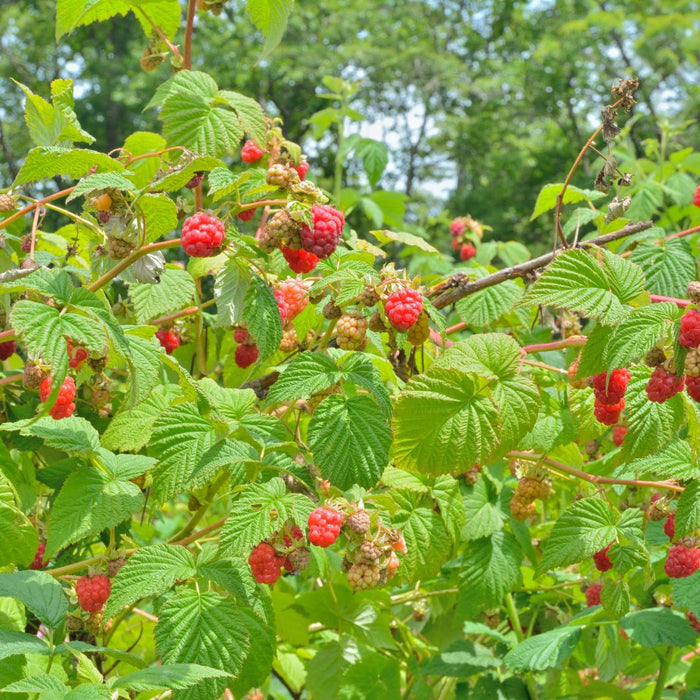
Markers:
(514, 618)
(199, 513)
(338, 174)
(665, 663)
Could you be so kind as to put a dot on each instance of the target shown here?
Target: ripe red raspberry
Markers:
(241, 335)
(403, 307)
(251, 152)
(302, 169)
(322, 239)
(663, 385)
(169, 339)
(602, 560)
(610, 390)
(64, 405)
(692, 619)
(618, 434)
(467, 252)
(670, 525)
(265, 564)
(93, 592)
(291, 298)
(300, 261)
(324, 526)
(7, 349)
(696, 199)
(682, 561)
(247, 214)
(689, 333)
(202, 235)
(457, 227)
(76, 355)
(692, 387)
(246, 355)
(609, 415)
(593, 595)
(39, 562)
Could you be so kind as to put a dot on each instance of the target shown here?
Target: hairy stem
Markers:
(191, 8)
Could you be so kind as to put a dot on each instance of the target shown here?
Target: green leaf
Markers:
(612, 653)
(139, 143)
(547, 650)
(89, 502)
(160, 215)
(461, 659)
(487, 305)
(170, 676)
(657, 627)
(547, 198)
(270, 17)
(100, 181)
(615, 598)
(350, 439)
(250, 115)
(596, 284)
(259, 512)
(177, 179)
(72, 434)
(686, 593)
(674, 461)
(16, 643)
(375, 158)
(408, 239)
(175, 291)
(584, 528)
(688, 510)
(144, 375)
(491, 569)
(47, 687)
(668, 265)
(47, 162)
(262, 317)
(180, 438)
(307, 374)
(150, 571)
(17, 534)
(483, 513)
(204, 629)
(39, 592)
(230, 289)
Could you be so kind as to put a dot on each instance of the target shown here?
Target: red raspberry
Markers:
(195, 182)
(400, 545)
(251, 152)
(322, 239)
(247, 214)
(241, 335)
(692, 387)
(7, 349)
(602, 560)
(246, 355)
(593, 595)
(403, 307)
(618, 434)
(682, 561)
(609, 415)
(694, 622)
(169, 339)
(300, 261)
(467, 252)
(455, 242)
(689, 334)
(696, 199)
(324, 526)
(93, 592)
(457, 227)
(265, 564)
(64, 405)
(76, 355)
(39, 562)
(610, 390)
(670, 525)
(202, 235)
(663, 385)
(302, 169)
(291, 298)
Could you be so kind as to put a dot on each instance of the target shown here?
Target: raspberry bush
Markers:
(252, 446)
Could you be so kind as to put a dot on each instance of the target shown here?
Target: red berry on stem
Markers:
(607, 414)
(251, 152)
(670, 525)
(692, 619)
(663, 385)
(202, 235)
(602, 560)
(241, 335)
(247, 214)
(169, 339)
(7, 349)
(93, 592)
(302, 169)
(300, 261)
(689, 333)
(692, 387)
(291, 298)
(322, 238)
(457, 227)
(39, 562)
(265, 564)
(64, 405)
(610, 389)
(682, 561)
(324, 526)
(467, 252)
(403, 307)
(618, 434)
(593, 595)
(246, 354)
(696, 199)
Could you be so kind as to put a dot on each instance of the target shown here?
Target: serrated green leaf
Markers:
(89, 502)
(230, 289)
(160, 215)
(46, 162)
(688, 511)
(307, 374)
(250, 115)
(658, 626)
(461, 659)
(375, 158)
(17, 533)
(487, 305)
(72, 434)
(584, 528)
(686, 592)
(668, 265)
(14, 643)
(100, 181)
(39, 592)
(139, 143)
(546, 650)
(175, 291)
(262, 317)
(547, 198)
(350, 440)
(150, 571)
(408, 239)
(674, 461)
(177, 179)
(144, 373)
(170, 676)
(482, 511)
(47, 687)
(612, 653)
(270, 17)
(615, 598)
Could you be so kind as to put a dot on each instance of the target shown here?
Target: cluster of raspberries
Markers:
(247, 352)
(459, 242)
(530, 488)
(64, 406)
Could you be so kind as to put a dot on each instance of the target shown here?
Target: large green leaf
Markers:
(547, 198)
(168, 677)
(40, 592)
(688, 510)
(547, 650)
(668, 265)
(44, 163)
(262, 316)
(350, 439)
(658, 627)
(17, 534)
(270, 17)
(175, 291)
(488, 305)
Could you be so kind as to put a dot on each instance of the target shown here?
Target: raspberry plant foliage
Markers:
(244, 451)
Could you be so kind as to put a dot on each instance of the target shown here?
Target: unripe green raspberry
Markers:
(283, 230)
(351, 331)
(692, 362)
(363, 576)
(358, 522)
(419, 332)
(280, 175)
